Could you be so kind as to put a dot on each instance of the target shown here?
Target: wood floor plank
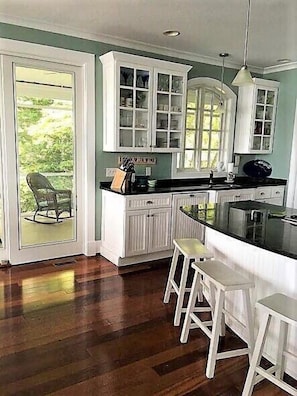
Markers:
(87, 327)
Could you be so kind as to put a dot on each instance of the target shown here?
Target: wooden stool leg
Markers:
(200, 294)
(282, 341)
(190, 307)
(257, 354)
(249, 321)
(181, 294)
(216, 327)
(172, 270)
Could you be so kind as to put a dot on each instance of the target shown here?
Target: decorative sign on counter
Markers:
(139, 160)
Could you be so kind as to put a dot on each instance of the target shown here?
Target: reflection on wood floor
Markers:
(82, 326)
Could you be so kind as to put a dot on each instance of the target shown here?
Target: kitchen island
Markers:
(253, 238)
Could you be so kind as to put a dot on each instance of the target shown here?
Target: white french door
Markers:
(42, 138)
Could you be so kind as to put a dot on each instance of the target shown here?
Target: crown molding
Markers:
(118, 41)
(280, 68)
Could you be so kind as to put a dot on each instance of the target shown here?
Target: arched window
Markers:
(209, 133)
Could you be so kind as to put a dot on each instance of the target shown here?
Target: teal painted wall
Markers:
(162, 169)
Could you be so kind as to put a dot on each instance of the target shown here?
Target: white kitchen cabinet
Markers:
(135, 228)
(243, 194)
(255, 117)
(147, 231)
(144, 103)
(182, 225)
(270, 194)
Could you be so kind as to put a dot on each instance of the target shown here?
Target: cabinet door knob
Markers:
(237, 196)
(262, 193)
(192, 195)
(149, 202)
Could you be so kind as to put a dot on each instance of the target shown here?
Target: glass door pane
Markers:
(45, 144)
(2, 230)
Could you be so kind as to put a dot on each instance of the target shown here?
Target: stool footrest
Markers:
(175, 287)
(202, 324)
(259, 377)
(233, 353)
(276, 381)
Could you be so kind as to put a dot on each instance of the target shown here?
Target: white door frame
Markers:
(292, 183)
(87, 64)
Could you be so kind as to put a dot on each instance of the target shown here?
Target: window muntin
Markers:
(204, 137)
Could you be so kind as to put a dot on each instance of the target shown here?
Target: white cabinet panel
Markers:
(136, 233)
(270, 194)
(182, 225)
(147, 231)
(159, 230)
(148, 201)
(232, 195)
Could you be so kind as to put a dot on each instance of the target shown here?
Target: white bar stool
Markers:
(285, 310)
(221, 279)
(191, 249)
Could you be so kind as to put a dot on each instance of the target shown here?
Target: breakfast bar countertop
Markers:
(260, 224)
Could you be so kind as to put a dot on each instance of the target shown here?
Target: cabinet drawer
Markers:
(277, 191)
(148, 201)
(263, 192)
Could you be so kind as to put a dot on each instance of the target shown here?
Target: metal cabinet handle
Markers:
(277, 192)
(262, 193)
(191, 195)
(149, 202)
(237, 196)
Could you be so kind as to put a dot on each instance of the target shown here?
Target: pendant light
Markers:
(221, 107)
(243, 77)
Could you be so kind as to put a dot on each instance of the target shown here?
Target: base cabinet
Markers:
(135, 228)
(140, 228)
(147, 231)
(271, 194)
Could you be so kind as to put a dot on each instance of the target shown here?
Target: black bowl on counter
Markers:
(257, 169)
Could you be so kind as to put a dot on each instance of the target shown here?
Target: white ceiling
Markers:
(207, 27)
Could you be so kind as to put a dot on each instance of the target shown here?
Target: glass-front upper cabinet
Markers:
(169, 115)
(134, 107)
(256, 117)
(144, 103)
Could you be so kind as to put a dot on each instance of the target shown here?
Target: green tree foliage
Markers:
(45, 143)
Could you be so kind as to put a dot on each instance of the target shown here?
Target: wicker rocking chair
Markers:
(47, 198)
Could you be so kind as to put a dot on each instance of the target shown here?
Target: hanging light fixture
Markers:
(243, 77)
(221, 107)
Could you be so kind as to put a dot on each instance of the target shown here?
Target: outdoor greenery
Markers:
(45, 144)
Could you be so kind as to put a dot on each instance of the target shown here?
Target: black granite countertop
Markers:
(256, 223)
(183, 185)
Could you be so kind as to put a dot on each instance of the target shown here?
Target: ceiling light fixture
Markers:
(243, 77)
(171, 33)
(221, 107)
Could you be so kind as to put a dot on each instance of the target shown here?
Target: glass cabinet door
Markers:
(134, 108)
(264, 114)
(169, 111)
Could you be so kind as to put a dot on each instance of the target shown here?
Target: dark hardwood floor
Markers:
(84, 327)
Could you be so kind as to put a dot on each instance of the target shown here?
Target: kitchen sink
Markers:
(219, 186)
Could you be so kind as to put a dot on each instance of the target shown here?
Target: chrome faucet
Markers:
(211, 177)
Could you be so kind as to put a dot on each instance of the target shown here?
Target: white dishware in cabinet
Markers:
(144, 103)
